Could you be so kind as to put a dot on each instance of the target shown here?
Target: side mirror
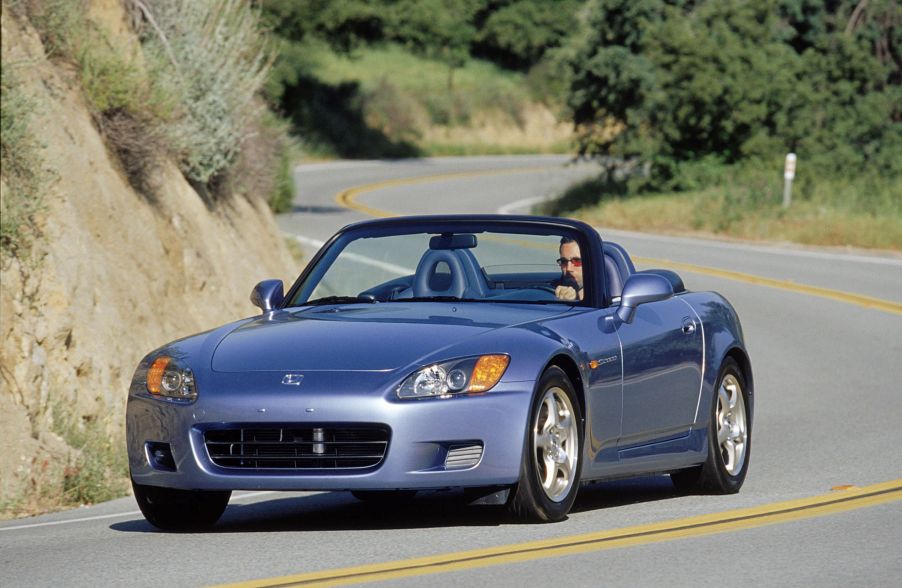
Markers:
(267, 295)
(642, 289)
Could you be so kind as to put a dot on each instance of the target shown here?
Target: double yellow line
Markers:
(837, 295)
(733, 520)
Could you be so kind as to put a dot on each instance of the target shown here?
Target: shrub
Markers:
(212, 59)
(265, 164)
(24, 177)
(126, 103)
(735, 81)
(98, 471)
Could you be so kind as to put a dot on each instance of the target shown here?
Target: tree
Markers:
(731, 80)
(517, 34)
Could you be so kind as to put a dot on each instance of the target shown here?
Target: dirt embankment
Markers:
(115, 274)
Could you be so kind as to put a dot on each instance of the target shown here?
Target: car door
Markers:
(662, 372)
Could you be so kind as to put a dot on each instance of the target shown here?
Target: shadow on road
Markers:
(340, 511)
(318, 209)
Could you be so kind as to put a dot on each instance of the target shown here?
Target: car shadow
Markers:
(616, 493)
(340, 511)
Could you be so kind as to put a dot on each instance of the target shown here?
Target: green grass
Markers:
(481, 81)
(747, 204)
(385, 101)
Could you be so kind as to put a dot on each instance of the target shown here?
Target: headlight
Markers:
(166, 377)
(471, 374)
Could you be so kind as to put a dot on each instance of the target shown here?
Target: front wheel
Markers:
(180, 510)
(552, 458)
(729, 438)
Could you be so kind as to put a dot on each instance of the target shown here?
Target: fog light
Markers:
(159, 456)
(463, 456)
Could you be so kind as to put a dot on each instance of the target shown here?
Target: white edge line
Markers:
(115, 515)
(389, 267)
(305, 240)
(79, 520)
(509, 208)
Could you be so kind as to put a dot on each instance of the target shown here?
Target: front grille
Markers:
(327, 447)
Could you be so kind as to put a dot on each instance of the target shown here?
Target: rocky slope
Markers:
(114, 276)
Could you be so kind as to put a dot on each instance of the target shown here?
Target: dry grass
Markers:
(95, 470)
(710, 212)
(407, 98)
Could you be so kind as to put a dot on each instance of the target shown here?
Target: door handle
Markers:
(688, 326)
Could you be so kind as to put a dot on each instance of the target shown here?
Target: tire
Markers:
(552, 456)
(180, 510)
(384, 496)
(729, 438)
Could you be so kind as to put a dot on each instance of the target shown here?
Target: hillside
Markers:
(112, 274)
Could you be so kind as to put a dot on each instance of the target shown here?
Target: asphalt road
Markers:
(824, 330)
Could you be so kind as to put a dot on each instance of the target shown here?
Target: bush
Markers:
(190, 94)
(97, 470)
(731, 81)
(24, 177)
(122, 94)
(265, 163)
(213, 60)
(518, 34)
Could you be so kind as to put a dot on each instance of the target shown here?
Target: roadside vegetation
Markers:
(189, 90)
(387, 101)
(691, 106)
(749, 207)
(24, 173)
(404, 78)
(707, 97)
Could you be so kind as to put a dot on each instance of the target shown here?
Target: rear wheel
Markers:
(729, 438)
(552, 459)
(180, 510)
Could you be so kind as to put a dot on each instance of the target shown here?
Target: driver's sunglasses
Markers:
(576, 261)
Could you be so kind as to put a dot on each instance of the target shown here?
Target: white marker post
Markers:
(789, 173)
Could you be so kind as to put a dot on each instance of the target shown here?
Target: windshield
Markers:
(484, 266)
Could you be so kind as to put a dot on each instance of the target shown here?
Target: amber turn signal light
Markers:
(487, 372)
(155, 374)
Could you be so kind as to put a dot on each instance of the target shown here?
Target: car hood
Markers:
(362, 337)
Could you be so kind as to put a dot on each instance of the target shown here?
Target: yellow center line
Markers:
(348, 199)
(788, 285)
(733, 520)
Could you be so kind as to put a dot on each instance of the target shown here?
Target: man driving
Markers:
(570, 285)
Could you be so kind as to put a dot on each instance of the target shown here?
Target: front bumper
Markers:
(422, 431)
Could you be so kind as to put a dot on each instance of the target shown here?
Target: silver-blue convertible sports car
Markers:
(513, 357)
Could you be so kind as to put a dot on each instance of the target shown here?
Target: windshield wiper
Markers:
(340, 300)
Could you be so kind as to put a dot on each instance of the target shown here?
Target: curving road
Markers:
(824, 329)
